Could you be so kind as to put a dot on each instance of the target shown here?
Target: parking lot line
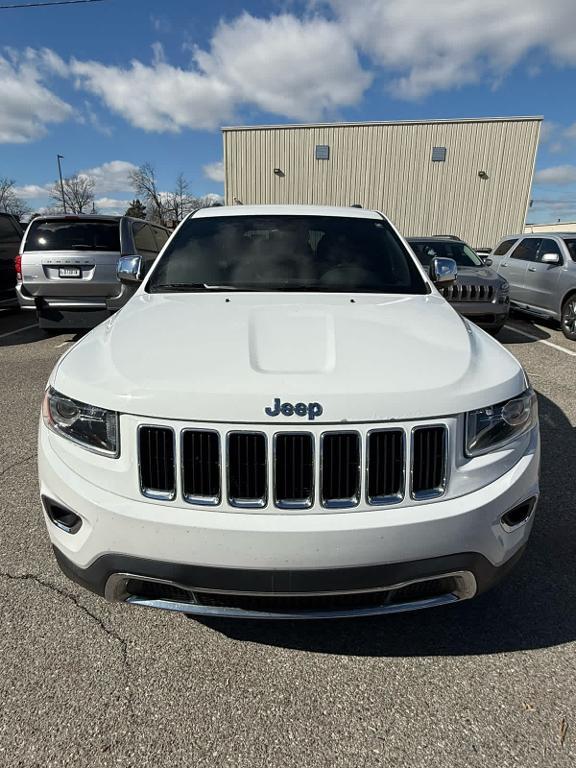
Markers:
(18, 330)
(541, 341)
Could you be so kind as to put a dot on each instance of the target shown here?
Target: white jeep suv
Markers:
(288, 420)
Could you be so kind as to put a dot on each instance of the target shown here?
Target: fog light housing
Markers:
(519, 514)
(62, 518)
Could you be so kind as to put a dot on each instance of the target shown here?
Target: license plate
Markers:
(69, 272)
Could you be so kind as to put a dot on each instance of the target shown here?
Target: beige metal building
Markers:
(470, 178)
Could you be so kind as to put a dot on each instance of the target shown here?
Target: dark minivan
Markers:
(10, 238)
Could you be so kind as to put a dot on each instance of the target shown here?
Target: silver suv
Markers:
(68, 266)
(541, 270)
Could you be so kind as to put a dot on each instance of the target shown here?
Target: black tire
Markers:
(568, 319)
(495, 329)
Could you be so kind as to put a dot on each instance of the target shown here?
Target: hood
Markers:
(478, 275)
(228, 357)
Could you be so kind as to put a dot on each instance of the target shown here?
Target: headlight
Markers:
(93, 428)
(488, 429)
(504, 286)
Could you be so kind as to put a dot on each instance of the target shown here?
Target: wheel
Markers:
(568, 320)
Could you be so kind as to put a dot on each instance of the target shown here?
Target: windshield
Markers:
(69, 234)
(571, 245)
(287, 253)
(462, 254)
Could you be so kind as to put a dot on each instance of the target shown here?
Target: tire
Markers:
(568, 319)
(495, 329)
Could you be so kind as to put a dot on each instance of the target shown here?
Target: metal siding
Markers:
(389, 167)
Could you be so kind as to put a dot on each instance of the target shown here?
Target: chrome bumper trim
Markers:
(465, 589)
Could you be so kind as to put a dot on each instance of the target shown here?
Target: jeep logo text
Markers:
(312, 410)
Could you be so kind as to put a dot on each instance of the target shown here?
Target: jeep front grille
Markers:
(468, 292)
(380, 467)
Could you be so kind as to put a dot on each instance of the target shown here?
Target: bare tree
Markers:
(9, 200)
(143, 180)
(78, 194)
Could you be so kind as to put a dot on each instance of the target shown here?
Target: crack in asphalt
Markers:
(17, 464)
(69, 596)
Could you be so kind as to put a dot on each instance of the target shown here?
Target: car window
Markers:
(549, 246)
(144, 239)
(504, 247)
(8, 232)
(287, 253)
(462, 254)
(527, 249)
(161, 237)
(72, 234)
(571, 245)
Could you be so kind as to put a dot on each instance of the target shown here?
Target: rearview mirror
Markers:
(443, 271)
(130, 269)
(550, 258)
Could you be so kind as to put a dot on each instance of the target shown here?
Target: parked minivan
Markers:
(68, 266)
(10, 237)
(541, 271)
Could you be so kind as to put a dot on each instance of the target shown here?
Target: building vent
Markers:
(322, 152)
(438, 154)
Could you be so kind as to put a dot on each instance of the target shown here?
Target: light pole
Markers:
(61, 157)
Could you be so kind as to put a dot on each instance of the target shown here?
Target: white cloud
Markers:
(112, 177)
(444, 44)
(157, 97)
(570, 132)
(557, 174)
(111, 205)
(214, 171)
(27, 105)
(287, 66)
(31, 191)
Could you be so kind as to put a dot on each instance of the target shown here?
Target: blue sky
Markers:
(120, 82)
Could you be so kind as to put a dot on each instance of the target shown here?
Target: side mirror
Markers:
(551, 258)
(443, 271)
(130, 269)
(487, 261)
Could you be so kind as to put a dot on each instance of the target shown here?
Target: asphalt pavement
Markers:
(83, 682)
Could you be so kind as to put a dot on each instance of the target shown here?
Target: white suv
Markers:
(288, 420)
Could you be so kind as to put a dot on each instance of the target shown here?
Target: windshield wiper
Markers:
(183, 287)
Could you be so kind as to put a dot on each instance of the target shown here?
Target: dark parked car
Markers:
(69, 266)
(10, 239)
(479, 293)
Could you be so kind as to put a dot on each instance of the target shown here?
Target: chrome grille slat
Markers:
(156, 451)
(429, 461)
(293, 470)
(247, 466)
(385, 466)
(340, 457)
(200, 466)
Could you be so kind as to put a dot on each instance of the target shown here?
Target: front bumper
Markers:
(362, 551)
(488, 315)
